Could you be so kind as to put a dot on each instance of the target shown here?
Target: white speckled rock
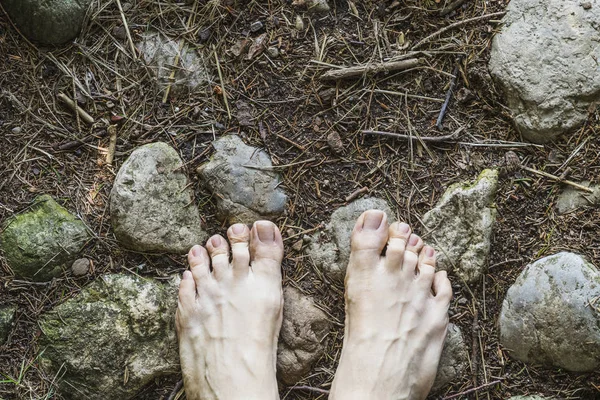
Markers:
(546, 60)
(330, 249)
(460, 226)
(551, 315)
(120, 324)
(151, 205)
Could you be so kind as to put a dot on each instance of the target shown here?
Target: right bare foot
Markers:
(396, 314)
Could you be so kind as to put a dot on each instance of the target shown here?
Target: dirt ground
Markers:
(294, 113)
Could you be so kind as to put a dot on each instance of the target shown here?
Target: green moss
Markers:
(40, 242)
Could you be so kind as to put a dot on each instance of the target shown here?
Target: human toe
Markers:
(239, 238)
(442, 288)
(218, 249)
(266, 246)
(199, 264)
(370, 232)
(398, 234)
(411, 256)
(426, 267)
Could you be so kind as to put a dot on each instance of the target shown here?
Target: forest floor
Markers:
(294, 112)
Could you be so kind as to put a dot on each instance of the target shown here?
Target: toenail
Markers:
(215, 241)
(403, 227)
(429, 252)
(187, 275)
(373, 219)
(265, 231)
(413, 240)
(237, 229)
(196, 251)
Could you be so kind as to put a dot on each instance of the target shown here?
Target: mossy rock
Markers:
(7, 314)
(112, 339)
(42, 241)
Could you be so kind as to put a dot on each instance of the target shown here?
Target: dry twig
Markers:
(359, 70)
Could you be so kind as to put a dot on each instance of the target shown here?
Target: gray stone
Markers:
(330, 249)
(48, 21)
(7, 315)
(301, 338)
(527, 398)
(80, 267)
(151, 204)
(42, 241)
(551, 316)
(245, 186)
(545, 59)
(159, 53)
(313, 6)
(570, 199)
(454, 362)
(460, 226)
(111, 339)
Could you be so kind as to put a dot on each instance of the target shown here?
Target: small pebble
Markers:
(256, 26)
(204, 35)
(273, 52)
(80, 267)
(119, 32)
(299, 23)
(298, 245)
(16, 130)
(587, 5)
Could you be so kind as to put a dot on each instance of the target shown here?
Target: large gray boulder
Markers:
(151, 203)
(48, 21)
(41, 242)
(550, 315)
(111, 339)
(303, 332)
(7, 315)
(163, 56)
(545, 58)
(329, 250)
(242, 178)
(460, 226)
(454, 362)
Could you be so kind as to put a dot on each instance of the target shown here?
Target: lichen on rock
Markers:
(40, 242)
(460, 226)
(7, 314)
(113, 338)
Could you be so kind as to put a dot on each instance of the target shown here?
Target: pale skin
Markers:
(230, 312)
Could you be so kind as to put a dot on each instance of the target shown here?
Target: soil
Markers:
(45, 148)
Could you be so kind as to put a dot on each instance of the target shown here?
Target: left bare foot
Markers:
(228, 318)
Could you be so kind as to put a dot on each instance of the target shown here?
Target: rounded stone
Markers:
(80, 267)
(41, 242)
(48, 21)
(151, 203)
(550, 315)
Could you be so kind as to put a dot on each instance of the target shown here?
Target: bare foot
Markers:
(228, 318)
(396, 314)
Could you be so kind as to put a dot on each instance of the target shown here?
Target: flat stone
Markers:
(151, 204)
(245, 186)
(301, 338)
(551, 316)
(48, 21)
(454, 362)
(7, 315)
(460, 226)
(571, 199)
(120, 328)
(330, 249)
(547, 65)
(42, 241)
(159, 53)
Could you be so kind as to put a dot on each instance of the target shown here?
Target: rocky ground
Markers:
(131, 130)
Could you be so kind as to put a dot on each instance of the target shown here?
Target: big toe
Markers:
(370, 234)
(266, 247)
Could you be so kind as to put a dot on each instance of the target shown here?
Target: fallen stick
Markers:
(445, 138)
(75, 108)
(472, 390)
(442, 114)
(375, 68)
(356, 193)
(127, 32)
(112, 144)
(451, 7)
(454, 25)
(558, 179)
